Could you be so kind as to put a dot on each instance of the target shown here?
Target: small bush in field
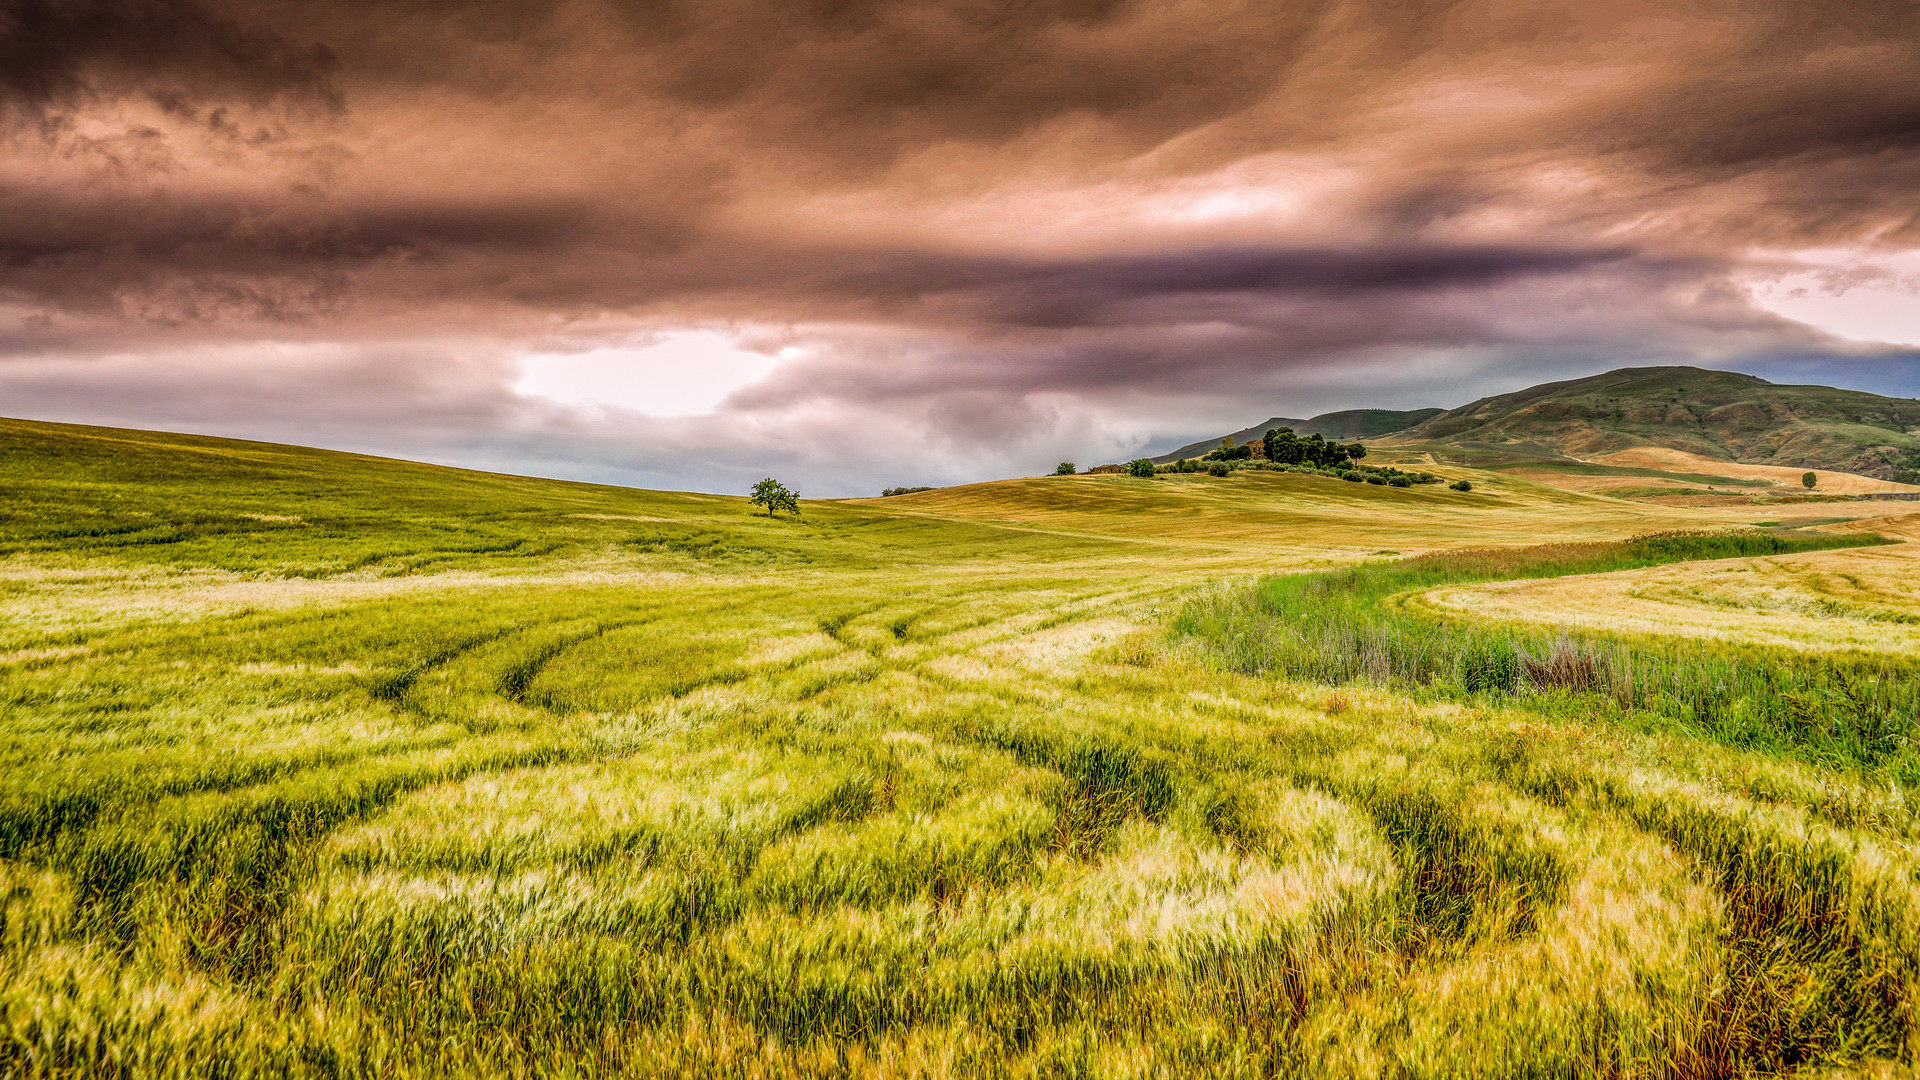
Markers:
(1353, 477)
(1809, 480)
(1218, 468)
(1461, 485)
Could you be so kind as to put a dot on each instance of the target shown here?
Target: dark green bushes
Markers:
(1283, 447)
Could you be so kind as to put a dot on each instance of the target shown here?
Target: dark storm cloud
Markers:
(847, 77)
(1233, 283)
(56, 54)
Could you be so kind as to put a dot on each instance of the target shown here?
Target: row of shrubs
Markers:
(1348, 471)
(1351, 472)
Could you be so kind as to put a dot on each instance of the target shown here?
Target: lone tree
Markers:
(1807, 480)
(1140, 467)
(774, 495)
(1066, 468)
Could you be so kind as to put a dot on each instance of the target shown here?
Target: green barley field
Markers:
(329, 766)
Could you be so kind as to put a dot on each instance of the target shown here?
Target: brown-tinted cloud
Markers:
(993, 227)
(60, 55)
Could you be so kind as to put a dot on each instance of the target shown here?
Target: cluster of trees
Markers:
(1227, 451)
(1283, 447)
(1341, 466)
(1289, 452)
(884, 492)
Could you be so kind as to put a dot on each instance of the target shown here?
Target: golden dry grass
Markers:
(1856, 600)
(1786, 479)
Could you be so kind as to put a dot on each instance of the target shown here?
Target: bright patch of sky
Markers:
(686, 374)
(1868, 298)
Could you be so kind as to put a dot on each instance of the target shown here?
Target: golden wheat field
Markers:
(325, 766)
(1864, 600)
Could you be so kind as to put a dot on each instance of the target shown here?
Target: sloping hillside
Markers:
(1195, 449)
(1365, 423)
(1348, 424)
(1716, 414)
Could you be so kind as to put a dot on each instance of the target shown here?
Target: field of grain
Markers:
(1827, 481)
(329, 766)
(1865, 601)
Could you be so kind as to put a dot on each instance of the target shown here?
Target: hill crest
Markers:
(1347, 424)
(1718, 414)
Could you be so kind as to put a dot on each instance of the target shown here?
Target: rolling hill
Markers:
(1349, 424)
(1716, 414)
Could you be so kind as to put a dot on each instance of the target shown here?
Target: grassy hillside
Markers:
(1365, 423)
(1718, 414)
(1350, 425)
(318, 765)
(1196, 449)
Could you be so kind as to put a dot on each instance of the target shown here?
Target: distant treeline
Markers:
(902, 491)
(1283, 451)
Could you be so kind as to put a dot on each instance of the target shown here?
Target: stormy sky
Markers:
(856, 243)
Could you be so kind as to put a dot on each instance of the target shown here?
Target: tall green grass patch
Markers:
(1346, 625)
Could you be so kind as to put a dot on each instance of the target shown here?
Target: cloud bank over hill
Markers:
(971, 239)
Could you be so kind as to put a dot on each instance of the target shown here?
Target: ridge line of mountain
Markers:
(1727, 415)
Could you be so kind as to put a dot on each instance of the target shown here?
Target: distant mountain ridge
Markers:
(1718, 414)
(1349, 424)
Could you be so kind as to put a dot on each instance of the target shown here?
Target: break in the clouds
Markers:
(864, 243)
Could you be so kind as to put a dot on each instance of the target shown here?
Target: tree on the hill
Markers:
(1227, 451)
(774, 495)
(1808, 480)
(1283, 446)
(1066, 468)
